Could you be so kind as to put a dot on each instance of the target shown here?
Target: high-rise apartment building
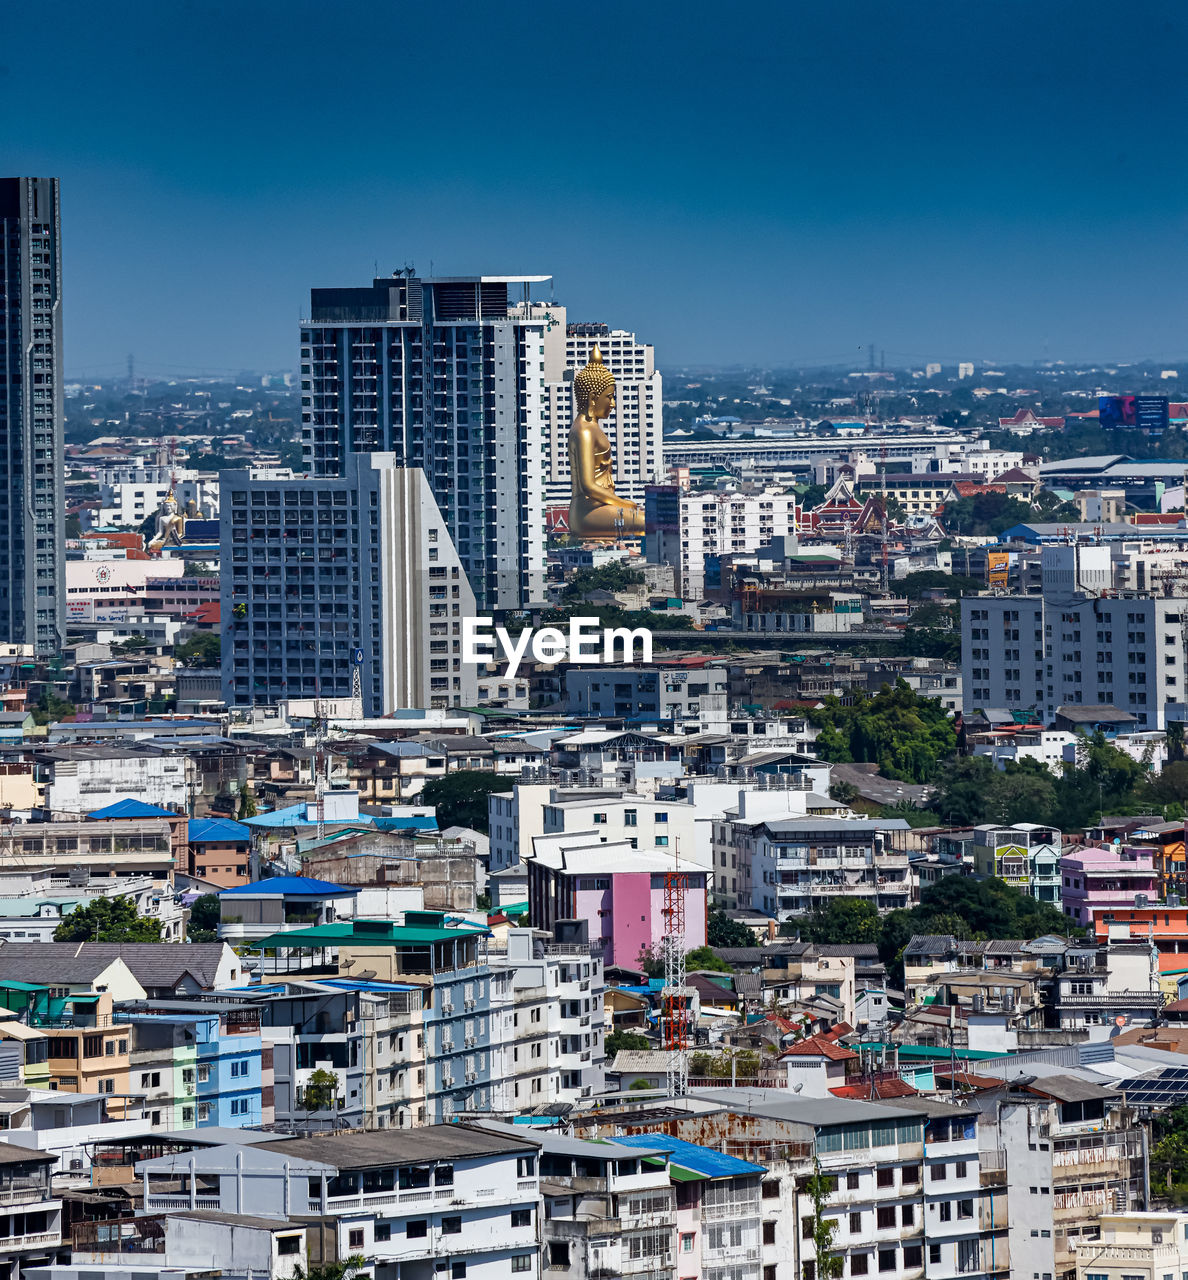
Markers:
(635, 429)
(686, 530)
(449, 375)
(32, 485)
(323, 577)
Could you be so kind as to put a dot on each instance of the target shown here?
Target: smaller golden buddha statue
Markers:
(595, 513)
(171, 525)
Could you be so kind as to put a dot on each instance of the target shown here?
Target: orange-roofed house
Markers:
(818, 1065)
(1164, 924)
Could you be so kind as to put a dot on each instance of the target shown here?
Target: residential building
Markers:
(686, 530)
(609, 1208)
(918, 493)
(449, 375)
(349, 578)
(253, 911)
(644, 822)
(547, 1020)
(1065, 1150)
(78, 779)
(1077, 652)
(88, 1053)
(449, 963)
(1106, 986)
(369, 1035)
(32, 479)
(446, 1198)
(1137, 1243)
(689, 700)
(619, 892)
(30, 1216)
(635, 428)
(795, 866)
(220, 851)
(1096, 881)
(1024, 854)
(130, 495)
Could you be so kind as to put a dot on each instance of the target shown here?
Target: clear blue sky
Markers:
(762, 182)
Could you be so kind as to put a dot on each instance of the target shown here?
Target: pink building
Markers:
(619, 891)
(1097, 880)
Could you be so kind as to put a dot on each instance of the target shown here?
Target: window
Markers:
(458, 1271)
(558, 1253)
(965, 1208)
(885, 1177)
(452, 1226)
(806, 1228)
(913, 1256)
(859, 1264)
(961, 1168)
(851, 1182)
(355, 1238)
(239, 1068)
(292, 1244)
(885, 1218)
(522, 1262)
(887, 1259)
(938, 1172)
(909, 1215)
(855, 1223)
(769, 1233)
(945, 1210)
(934, 1254)
(687, 1238)
(521, 1217)
(418, 1229)
(526, 1167)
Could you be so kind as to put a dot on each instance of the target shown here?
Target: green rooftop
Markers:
(366, 933)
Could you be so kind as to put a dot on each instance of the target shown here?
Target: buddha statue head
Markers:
(594, 388)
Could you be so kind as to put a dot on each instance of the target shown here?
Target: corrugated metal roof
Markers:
(688, 1155)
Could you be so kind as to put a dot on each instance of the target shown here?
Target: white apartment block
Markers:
(635, 429)
(716, 524)
(1038, 653)
(650, 825)
(546, 1022)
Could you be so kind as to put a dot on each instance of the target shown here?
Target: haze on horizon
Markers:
(775, 186)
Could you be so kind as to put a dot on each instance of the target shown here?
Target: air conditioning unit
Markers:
(471, 1077)
(470, 1004)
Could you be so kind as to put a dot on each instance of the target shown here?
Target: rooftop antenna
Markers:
(675, 1005)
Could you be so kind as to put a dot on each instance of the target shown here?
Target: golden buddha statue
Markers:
(595, 513)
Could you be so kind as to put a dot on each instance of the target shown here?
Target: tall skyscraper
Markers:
(32, 484)
(324, 577)
(449, 376)
(635, 429)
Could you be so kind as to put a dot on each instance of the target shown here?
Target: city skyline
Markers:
(949, 190)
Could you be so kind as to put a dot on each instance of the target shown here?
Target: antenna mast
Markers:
(675, 1002)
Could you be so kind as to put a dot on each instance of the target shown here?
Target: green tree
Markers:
(843, 792)
(203, 925)
(608, 577)
(202, 649)
(819, 1188)
(51, 708)
(843, 920)
(906, 735)
(722, 931)
(1170, 786)
(347, 1269)
(321, 1091)
(704, 958)
(1175, 741)
(107, 920)
(247, 803)
(618, 1041)
(460, 798)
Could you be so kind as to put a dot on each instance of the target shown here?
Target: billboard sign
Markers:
(1148, 413)
(998, 568)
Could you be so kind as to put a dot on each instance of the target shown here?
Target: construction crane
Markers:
(675, 997)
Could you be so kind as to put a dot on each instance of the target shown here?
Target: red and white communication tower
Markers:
(675, 997)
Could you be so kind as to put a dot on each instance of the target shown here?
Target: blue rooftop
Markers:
(292, 886)
(223, 830)
(688, 1155)
(129, 808)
